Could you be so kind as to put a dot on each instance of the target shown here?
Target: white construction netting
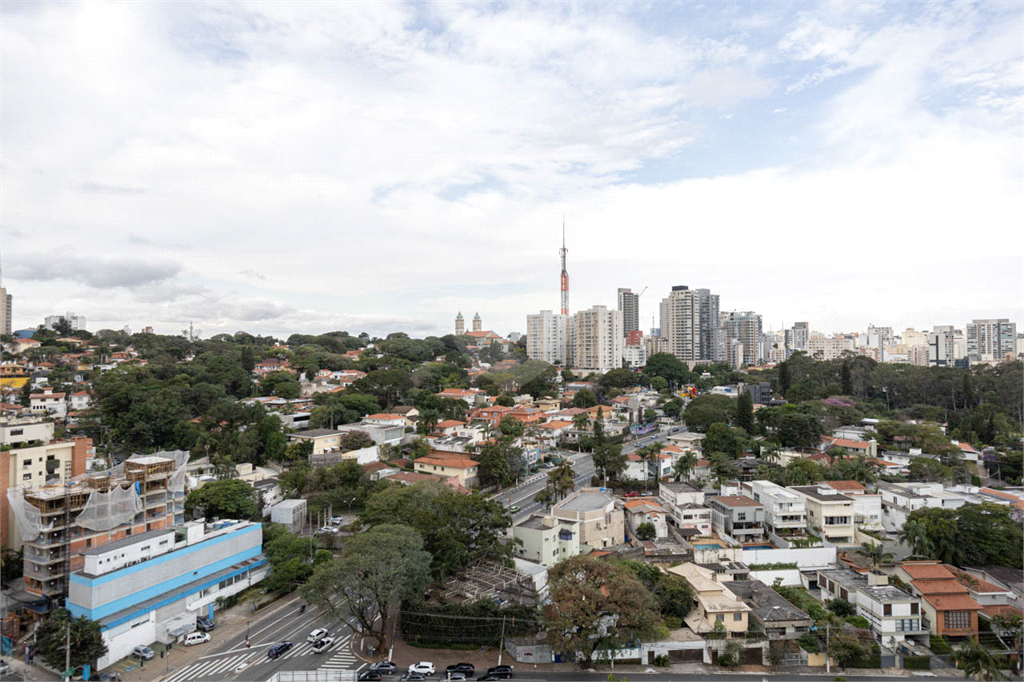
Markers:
(108, 510)
(30, 519)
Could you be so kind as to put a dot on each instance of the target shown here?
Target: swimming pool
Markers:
(708, 545)
(758, 546)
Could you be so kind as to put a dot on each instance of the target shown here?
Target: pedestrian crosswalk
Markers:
(339, 653)
(220, 666)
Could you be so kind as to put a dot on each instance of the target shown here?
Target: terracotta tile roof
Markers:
(448, 460)
(972, 583)
(952, 602)
(637, 504)
(412, 477)
(926, 571)
(384, 416)
(1001, 609)
(937, 587)
(703, 463)
(851, 444)
(966, 447)
(845, 485)
(556, 424)
(450, 423)
(1012, 499)
(372, 467)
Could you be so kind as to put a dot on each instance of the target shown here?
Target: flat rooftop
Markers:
(128, 541)
(812, 492)
(768, 605)
(585, 502)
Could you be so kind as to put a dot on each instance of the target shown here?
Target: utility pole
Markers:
(502, 645)
(828, 660)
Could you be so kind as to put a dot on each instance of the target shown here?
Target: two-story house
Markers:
(48, 402)
(464, 469)
(546, 539)
(892, 613)
(714, 604)
(829, 514)
(685, 505)
(646, 510)
(949, 609)
(739, 516)
(601, 523)
(785, 515)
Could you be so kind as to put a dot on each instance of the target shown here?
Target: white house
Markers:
(80, 400)
(48, 402)
(647, 511)
(892, 613)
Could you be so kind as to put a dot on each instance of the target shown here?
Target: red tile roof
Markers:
(737, 501)
(845, 485)
(926, 571)
(449, 423)
(952, 602)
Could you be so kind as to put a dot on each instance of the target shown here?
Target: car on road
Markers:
(455, 677)
(337, 520)
(322, 645)
(412, 677)
(467, 668)
(197, 638)
(514, 508)
(384, 668)
(632, 493)
(501, 671)
(278, 649)
(488, 678)
(326, 530)
(205, 623)
(317, 635)
(370, 676)
(143, 652)
(647, 493)
(423, 668)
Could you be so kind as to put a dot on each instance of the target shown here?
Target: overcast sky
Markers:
(285, 167)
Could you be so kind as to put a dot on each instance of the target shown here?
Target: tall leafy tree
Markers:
(745, 412)
(86, 640)
(847, 379)
(597, 605)
(377, 570)
(977, 662)
(231, 499)
(609, 461)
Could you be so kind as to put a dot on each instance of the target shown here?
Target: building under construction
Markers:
(59, 522)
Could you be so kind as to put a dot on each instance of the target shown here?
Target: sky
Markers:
(282, 167)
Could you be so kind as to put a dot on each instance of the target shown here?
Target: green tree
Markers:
(684, 465)
(703, 411)
(724, 438)
(668, 367)
(597, 605)
(799, 430)
(915, 535)
(584, 398)
(598, 428)
(86, 640)
(231, 499)
(745, 412)
(977, 662)
(784, 378)
(561, 480)
(505, 400)
(512, 427)
(501, 462)
(846, 379)
(646, 531)
(609, 461)
(723, 467)
(377, 570)
(12, 563)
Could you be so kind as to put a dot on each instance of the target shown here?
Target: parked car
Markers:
(193, 638)
(488, 678)
(455, 677)
(647, 493)
(632, 493)
(323, 645)
(423, 667)
(143, 652)
(278, 649)
(337, 520)
(385, 668)
(205, 623)
(370, 676)
(467, 668)
(317, 635)
(413, 677)
(503, 672)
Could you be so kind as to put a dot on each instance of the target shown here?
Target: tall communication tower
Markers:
(565, 273)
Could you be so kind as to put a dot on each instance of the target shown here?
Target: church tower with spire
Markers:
(460, 325)
(477, 324)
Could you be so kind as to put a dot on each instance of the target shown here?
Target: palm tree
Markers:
(976, 661)
(647, 455)
(770, 453)
(914, 535)
(580, 422)
(561, 480)
(874, 552)
(684, 465)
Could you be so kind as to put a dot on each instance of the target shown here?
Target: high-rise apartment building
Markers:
(629, 306)
(880, 337)
(745, 327)
(597, 339)
(547, 337)
(6, 300)
(830, 347)
(991, 339)
(690, 322)
(797, 335)
(77, 321)
(941, 346)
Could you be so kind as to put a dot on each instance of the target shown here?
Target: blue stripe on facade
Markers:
(178, 597)
(149, 563)
(168, 585)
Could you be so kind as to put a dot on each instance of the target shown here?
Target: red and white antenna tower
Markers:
(565, 273)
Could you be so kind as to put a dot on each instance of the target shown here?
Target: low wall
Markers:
(790, 576)
(803, 558)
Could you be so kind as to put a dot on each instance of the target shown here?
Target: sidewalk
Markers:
(230, 623)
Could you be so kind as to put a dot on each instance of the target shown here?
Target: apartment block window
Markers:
(958, 620)
(17, 432)
(913, 609)
(887, 609)
(26, 477)
(26, 463)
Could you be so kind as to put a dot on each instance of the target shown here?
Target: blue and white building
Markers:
(151, 587)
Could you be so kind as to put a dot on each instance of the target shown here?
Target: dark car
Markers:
(413, 677)
(384, 668)
(467, 668)
(488, 678)
(278, 649)
(205, 624)
(503, 672)
(370, 675)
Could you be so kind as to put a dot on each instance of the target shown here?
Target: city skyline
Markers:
(378, 168)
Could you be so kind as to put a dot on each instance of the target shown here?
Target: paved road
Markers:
(703, 677)
(232, 660)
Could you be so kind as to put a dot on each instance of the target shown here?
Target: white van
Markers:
(197, 638)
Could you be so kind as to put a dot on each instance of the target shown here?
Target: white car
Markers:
(423, 667)
(317, 635)
(323, 645)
